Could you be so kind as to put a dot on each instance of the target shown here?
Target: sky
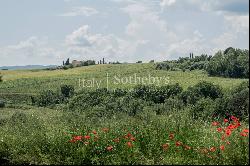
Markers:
(46, 32)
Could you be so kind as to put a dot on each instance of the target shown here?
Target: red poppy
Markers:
(230, 127)
(109, 148)
(219, 129)
(212, 149)
(246, 130)
(228, 142)
(234, 119)
(226, 120)
(222, 147)
(87, 137)
(94, 132)
(129, 144)
(243, 134)
(165, 146)
(228, 132)
(215, 124)
(132, 139)
(178, 143)
(171, 136)
(77, 138)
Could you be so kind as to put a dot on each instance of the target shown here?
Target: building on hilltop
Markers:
(76, 63)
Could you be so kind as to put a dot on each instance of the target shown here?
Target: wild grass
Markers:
(42, 136)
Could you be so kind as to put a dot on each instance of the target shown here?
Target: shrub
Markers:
(200, 90)
(119, 92)
(1, 78)
(48, 98)
(2, 103)
(67, 90)
(204, 108)
(156, 94)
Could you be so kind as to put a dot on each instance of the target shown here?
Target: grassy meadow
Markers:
(106, 133)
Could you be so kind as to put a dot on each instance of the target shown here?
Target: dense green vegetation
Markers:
(48, 117)
(233, 63)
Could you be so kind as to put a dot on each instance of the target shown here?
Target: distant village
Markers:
(76, 63)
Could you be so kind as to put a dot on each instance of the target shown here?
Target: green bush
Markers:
(204, 108)
(200, 90)
(48, 98)
(67, 90)
(156, 94)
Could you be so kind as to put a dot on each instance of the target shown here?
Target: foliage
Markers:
(67, 90)
(230, 63)
(48, 98)
(185, 63)
(200, 90)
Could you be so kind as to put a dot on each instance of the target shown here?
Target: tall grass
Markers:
(42, 136)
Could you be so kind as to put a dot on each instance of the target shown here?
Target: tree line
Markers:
(232, 62)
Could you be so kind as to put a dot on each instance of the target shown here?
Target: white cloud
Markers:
(86, 45)
(166, 3)
(34, 50)
(80, 11)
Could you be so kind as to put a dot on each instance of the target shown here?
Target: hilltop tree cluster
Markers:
(233, 63)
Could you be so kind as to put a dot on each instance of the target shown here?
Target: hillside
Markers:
(19, 81)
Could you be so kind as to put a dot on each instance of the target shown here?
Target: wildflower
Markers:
(222, 147)
(132, 139)
(129, 144)
(243, 134)
(116, 140)
(215, 124)
(212, 149)
(171, 136)
(219, 129)
(246, 130)
(234, 118)
(187, 147)
(109, 148)
(228, 142)
(178, 143)
(127, 136)
(94, 132)
(165, 146)
(77, 138)
(226, 120)
(228, 132)
(87, 137)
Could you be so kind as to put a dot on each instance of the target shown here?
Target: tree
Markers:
(67, 62)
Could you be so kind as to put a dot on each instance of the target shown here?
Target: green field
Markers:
(47, 135)
(33, 81)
